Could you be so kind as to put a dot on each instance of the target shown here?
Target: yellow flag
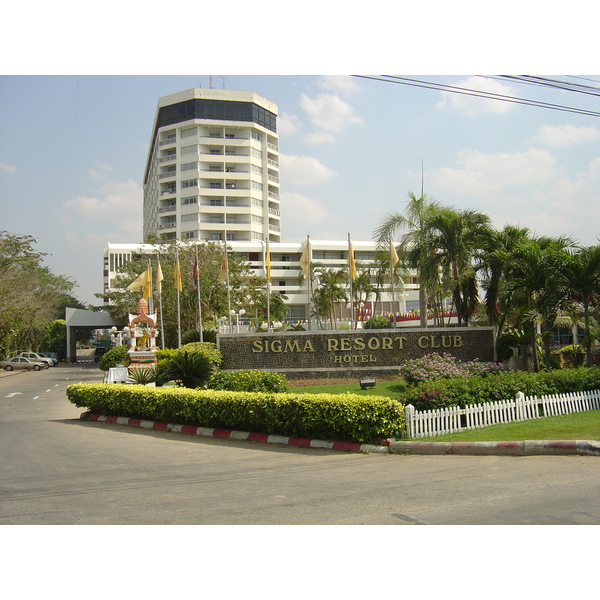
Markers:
(142, 281)
(351, 260)
(305, 260)
(393, 256)
(268, 263)
(177, 274)
(159, 278)
(223, 274)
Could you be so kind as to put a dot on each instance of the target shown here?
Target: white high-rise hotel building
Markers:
(212, 174)
(213, 168)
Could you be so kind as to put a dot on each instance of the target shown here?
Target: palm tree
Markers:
(412, 224)
(329, 293)
(582, 276)
(449, 252)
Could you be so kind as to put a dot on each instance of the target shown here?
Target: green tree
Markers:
(31, 296)
(413, 226)
(582, 278)
(329, 293)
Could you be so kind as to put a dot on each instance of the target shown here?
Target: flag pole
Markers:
(177, 286)
(159, 278)
(352, 274)
(308, 274)
(197, 280)
(268, 276)
(227, 284)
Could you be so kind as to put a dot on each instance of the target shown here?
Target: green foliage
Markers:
(344, 417)
(208, 335)
(377, 323)
(249, 381)
(115, 356)
(55, 339)
(31, 296)
(461, 391)
(143, 376)
(209, 350)
(188, 369)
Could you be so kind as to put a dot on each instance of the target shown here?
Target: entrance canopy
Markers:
(77, 319)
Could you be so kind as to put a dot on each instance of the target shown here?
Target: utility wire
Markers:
(477, 93)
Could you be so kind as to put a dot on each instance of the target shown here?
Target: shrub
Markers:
(187, 369)
(207, 349)
(249, 381)
(377, 323)
(462, 391)
(115, 356)
(143, 376)
(432, 367)
(344, 417)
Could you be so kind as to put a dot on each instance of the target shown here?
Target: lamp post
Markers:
(237, 316)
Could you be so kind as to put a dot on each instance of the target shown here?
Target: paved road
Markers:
(57, 469)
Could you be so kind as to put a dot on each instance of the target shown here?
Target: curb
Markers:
(524, 448)
(236, 435)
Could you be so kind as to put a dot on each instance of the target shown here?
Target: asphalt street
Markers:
(58, 469)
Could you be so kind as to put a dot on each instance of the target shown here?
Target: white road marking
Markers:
(13, 394)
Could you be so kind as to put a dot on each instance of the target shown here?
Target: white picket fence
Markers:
(453, 419)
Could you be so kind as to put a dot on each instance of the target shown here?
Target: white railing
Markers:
(453, 419)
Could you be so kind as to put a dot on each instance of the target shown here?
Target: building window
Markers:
(189, 235)
(216, 202)
(257, 170)
(189, 132)
(189, 183)
(256, 136)
(257, 186)
(189, 149)
(257, 202)
(189, 166)
(216, 185)
(256, 153)
(189, 200)
(257, 219)
(189, 217)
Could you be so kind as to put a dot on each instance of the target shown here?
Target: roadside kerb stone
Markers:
(511, 448)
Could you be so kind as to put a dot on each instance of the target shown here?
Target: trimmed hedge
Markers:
(462, 391)
(249, 381)
(344, 417)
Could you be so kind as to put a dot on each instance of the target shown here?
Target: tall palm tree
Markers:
(412, 226)
(582, 275)
(496, 250)
(450, 250)
(329, 293)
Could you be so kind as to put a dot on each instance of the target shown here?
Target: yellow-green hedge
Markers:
(340, 417)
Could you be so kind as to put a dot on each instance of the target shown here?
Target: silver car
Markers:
(20, 362)
(35, 357)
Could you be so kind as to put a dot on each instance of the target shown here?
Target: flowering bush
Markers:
(444, 366)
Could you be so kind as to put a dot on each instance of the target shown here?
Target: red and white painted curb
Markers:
(237, 435)
(522, 448)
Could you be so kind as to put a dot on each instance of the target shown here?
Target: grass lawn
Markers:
(577, 426)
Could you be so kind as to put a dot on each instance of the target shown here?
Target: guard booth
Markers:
(78, 319)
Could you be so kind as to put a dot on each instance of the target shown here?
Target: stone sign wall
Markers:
(307, 354)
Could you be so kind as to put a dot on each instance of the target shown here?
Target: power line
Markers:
(477, 93)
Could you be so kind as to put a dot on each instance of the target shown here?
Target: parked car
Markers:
(99, 352)
(51, 355)
(20, 362)
(34, 356)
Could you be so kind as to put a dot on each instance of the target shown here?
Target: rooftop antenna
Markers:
(224, 79)
(210, 85)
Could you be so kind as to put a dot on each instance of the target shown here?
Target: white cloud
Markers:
(343, 84)
(118, 203)
(288, 124)
(8, 168)
(472, 106)
(318, 137)
(100, 171)
(329, 112)
(482, 174)
(566, 135)
(303, 170)
(301, 210)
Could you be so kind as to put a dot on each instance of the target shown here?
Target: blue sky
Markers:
(73, 145)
